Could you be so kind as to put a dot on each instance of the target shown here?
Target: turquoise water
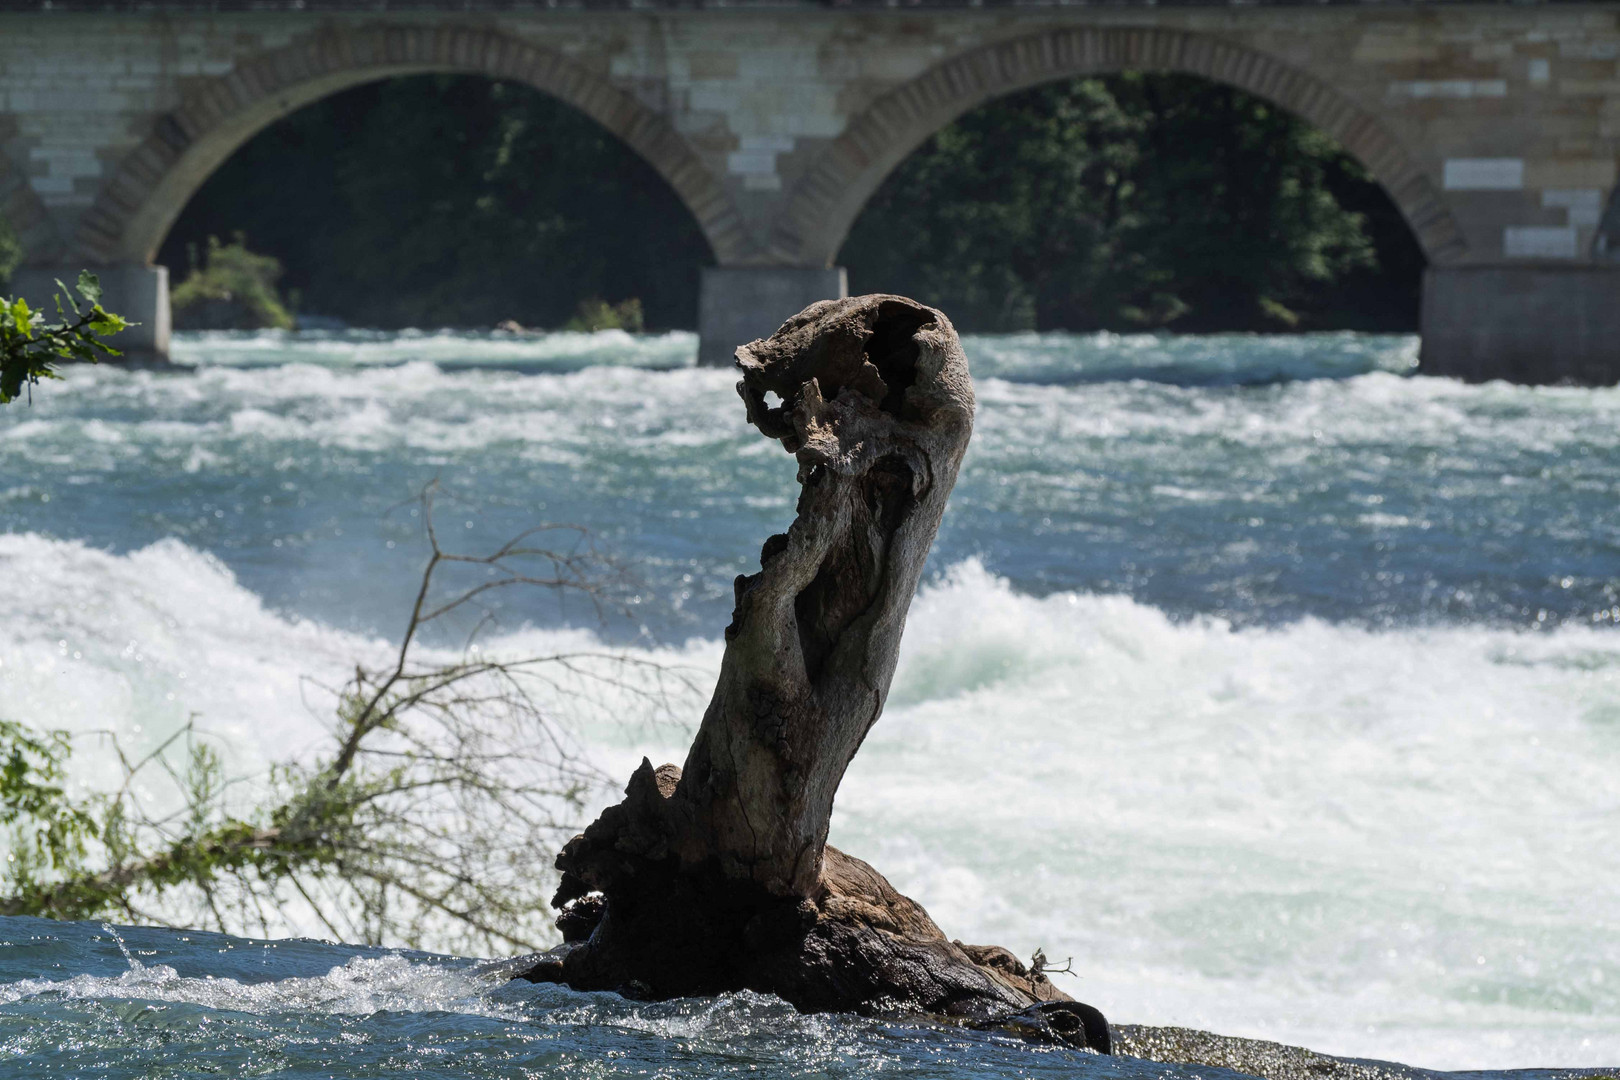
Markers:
(142, 1002)
(1277, 685)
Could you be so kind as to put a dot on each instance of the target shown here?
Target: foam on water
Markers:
(136, 644)
(182, 1004)
(1376, 498)
(564, 350)
(362, 986)
(1289, 706)
(1393, 843)
(1057, 358)
(1385, 843)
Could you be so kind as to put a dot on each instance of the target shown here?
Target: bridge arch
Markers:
(825, 202)
(138, 203)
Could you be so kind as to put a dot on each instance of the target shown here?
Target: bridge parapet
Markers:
(462, 7)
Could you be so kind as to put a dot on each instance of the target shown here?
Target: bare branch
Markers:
(433, 816)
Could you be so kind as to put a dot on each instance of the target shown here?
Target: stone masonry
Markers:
(1495, 128)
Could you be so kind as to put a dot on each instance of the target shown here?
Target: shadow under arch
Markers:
(825, 202)
(24, 211)
(138, 204)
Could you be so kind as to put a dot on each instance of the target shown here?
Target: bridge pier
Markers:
(737, 304)
(1527, 324)
(138, 293)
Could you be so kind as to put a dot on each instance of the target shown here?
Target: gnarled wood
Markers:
(717, 876)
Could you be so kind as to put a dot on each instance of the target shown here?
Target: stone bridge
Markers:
(1494, 127)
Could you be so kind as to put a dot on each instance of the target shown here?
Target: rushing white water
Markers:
(1289, 710)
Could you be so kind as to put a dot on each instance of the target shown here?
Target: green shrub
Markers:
(453, 200)
(595, 314)
(1137, 201)
(234, 289)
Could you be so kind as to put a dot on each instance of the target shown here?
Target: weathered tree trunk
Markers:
(717, 876)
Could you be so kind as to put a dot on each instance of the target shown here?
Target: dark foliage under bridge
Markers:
(1127, 202)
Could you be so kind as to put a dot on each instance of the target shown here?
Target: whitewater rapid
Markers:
(1139, 719)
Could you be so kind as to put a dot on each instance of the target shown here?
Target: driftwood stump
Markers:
(716, 876)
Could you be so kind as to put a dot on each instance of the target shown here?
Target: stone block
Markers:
(1449, 88)
(1539, 242)
(1586, 49)
(737, 305)
(1570, 173)
(1483, 174)
(709, 64)
(1523, 324)
(1583, 206)
(1588, 87)
(751, 162)
(1403, 45)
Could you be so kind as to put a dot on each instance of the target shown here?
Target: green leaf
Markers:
(90, 287)
(105, 322)
(64, 294)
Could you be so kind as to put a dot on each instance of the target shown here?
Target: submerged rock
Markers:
(1277, 1061)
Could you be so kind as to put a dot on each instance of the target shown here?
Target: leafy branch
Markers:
(30, 347)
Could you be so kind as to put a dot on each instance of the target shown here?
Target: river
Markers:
(1277, 685)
